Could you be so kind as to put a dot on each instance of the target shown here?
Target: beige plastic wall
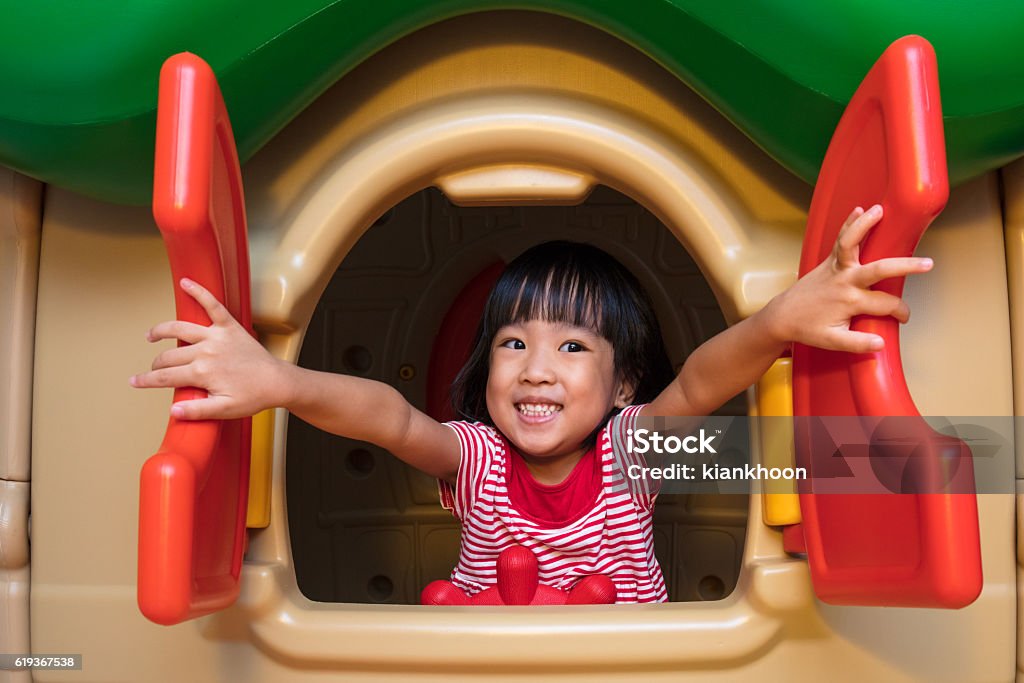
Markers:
(517, 90)
(20, 218)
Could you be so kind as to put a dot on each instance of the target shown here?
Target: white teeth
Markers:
(537, 409)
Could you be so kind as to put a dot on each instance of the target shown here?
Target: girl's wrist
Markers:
(773, 323)
(283, 381)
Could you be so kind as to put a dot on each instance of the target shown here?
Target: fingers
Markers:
(215, 309)
(852, 234)
(883, 303)
(211, 408)
(174, 357)
(855, 342)
(871, 303)
(180, 376)
(189, 333)
(854, 215)
(884, 269)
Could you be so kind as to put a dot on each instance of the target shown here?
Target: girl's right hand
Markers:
(240, 376)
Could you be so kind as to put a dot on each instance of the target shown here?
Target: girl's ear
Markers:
(624, 397)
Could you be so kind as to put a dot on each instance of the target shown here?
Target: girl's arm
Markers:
(816, 311)
(372, 411)
(720, 368)
(242, 378)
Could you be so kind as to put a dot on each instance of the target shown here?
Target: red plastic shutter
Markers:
(193, 491)
(454, 341)
(915, 550)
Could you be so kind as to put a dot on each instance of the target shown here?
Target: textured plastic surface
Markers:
(193, 491)
(918, 550)
(60, 118)
(518, 585)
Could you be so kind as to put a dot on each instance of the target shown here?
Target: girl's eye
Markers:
(571, 347)
(516, 344)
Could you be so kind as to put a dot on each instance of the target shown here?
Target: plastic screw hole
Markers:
(711, 588)
(360, 463)
(357, 359)
(380, 588)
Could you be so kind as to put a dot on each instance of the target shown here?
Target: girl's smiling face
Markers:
(550, 385)
(567, 334)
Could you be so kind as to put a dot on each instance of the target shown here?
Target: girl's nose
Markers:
(538, 368)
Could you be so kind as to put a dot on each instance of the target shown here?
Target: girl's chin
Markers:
(539, 446)
(531, 442)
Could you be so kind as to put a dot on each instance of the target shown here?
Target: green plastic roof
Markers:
(79, 79)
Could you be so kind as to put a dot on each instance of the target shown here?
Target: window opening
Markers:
(366, 528)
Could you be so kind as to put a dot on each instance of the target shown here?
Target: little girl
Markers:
(568, 340)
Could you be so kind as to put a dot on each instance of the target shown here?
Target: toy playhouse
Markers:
(393, 158)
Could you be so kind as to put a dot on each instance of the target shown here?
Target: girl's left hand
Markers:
(818, 308)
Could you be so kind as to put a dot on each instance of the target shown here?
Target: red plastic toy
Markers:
(193, 492)
(913, 550)
(518, 585)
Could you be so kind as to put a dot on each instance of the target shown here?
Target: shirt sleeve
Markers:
(476, 455)
(643, 490)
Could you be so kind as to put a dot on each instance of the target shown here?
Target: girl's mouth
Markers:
(538, 411)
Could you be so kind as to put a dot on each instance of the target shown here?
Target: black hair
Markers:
(580, 285)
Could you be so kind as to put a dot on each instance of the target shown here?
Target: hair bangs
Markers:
(559, 295)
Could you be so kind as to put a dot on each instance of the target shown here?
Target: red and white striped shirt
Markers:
(614, 537)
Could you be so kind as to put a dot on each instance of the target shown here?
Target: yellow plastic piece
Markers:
(506, 184)
(257, 515)
(775, 398)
